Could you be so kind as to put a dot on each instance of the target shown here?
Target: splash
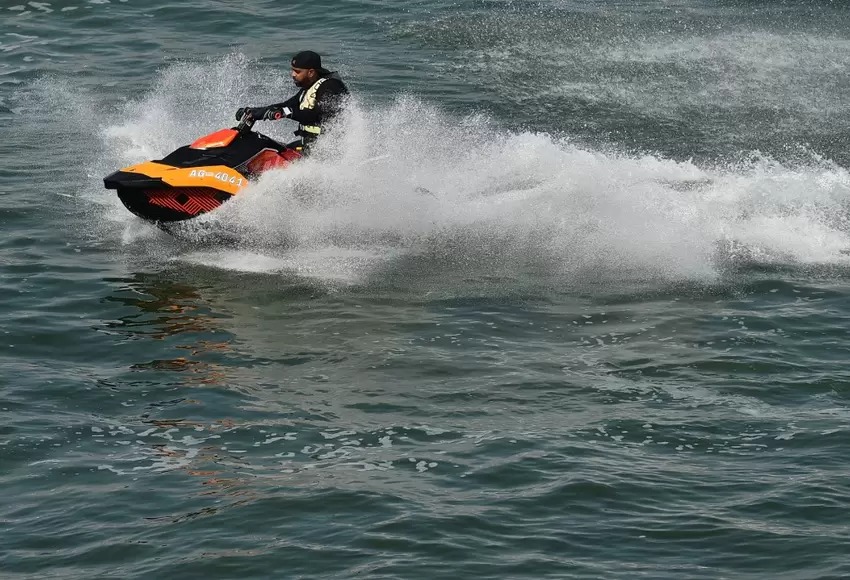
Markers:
(408, 186)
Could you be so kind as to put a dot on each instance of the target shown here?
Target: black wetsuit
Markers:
(315, 106)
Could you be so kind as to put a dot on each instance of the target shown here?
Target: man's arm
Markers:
(290, 104)
(271, 112)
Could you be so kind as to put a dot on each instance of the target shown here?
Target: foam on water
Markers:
(408, 179)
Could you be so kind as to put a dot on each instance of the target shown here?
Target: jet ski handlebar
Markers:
(245, 123)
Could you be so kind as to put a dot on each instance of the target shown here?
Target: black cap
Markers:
(307, 59)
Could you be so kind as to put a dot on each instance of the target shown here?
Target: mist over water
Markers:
(685, 80)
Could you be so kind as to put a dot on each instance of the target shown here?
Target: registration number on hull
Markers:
(220, 175)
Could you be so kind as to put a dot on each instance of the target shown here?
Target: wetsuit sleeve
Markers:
(291, 103)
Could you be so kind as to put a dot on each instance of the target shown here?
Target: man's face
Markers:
(302, 76)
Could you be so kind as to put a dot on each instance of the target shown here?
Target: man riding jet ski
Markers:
(198, 178)
(319, 100)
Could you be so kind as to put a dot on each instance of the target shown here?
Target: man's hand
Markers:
(275, 113)
(263, 113)
(258, 113)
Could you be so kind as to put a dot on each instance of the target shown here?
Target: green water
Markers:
(566, 296)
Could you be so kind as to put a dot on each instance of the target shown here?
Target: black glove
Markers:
(274, 113)
(256, 113)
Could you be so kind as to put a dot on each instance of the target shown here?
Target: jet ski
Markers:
(198, 178)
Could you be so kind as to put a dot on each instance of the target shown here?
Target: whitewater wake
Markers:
(408, 182)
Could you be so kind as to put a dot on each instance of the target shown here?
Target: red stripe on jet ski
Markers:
(189, 200)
